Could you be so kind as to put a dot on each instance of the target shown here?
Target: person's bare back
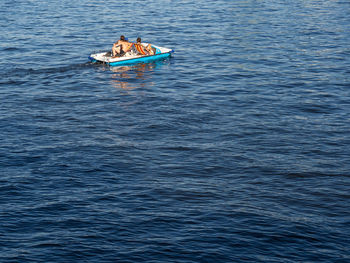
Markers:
(121, 46)
(125, 45)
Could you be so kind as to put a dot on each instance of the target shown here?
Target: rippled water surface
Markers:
(236, 149)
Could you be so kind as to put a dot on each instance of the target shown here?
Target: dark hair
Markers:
(122, 37)
(138, 39)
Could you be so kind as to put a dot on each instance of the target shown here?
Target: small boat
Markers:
(130, 57)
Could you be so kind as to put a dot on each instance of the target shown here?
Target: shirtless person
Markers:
(121, 47)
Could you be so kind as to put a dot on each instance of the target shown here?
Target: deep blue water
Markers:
(237, 149)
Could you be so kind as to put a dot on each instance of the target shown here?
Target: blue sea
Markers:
(235, 149)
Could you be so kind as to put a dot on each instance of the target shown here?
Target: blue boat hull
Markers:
(146, 59)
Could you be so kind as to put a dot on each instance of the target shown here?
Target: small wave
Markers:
(15, 72)
(314, 174)
(60, 69)
(44, 245)
(10, 49)
(316, 108)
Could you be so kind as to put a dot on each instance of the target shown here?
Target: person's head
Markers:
(122, 38)
(138, 40)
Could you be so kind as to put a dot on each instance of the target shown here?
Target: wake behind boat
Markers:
(131, 57)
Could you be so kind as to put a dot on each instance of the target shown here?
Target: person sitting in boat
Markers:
(121, 47)
(142, 50)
